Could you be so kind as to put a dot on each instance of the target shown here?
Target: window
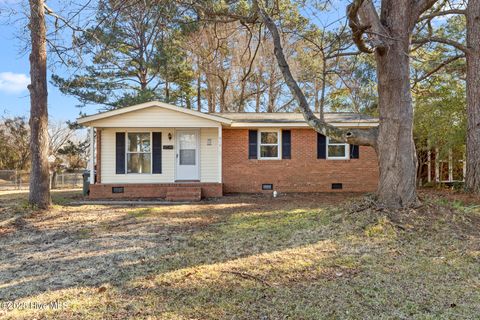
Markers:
(269, 142)
(139, 152)
(337, 149)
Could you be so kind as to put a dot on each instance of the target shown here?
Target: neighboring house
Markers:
(156, 150)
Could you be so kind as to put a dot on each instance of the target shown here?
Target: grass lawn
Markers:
(241, 257)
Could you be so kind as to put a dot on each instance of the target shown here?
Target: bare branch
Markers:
(449, 42)
(442, 13)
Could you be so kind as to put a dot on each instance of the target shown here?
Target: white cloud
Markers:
(13, 82)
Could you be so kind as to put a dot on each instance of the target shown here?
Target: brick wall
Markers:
(148, 190)
(302, 173)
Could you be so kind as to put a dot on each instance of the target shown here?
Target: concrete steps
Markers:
(184, 194)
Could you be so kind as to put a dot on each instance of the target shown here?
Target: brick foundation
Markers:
(159, 190)
(302, 173)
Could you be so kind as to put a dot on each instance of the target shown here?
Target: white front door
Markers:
(187, 155)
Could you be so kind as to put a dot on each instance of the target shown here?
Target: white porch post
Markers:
(220, 154)
(92, 156)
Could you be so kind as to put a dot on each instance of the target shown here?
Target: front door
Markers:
(187, 155)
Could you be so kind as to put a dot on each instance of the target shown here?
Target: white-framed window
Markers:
(269, 145)
(139, 152)
(337, 149)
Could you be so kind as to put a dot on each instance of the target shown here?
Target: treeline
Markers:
(166, 51)
(67, 151)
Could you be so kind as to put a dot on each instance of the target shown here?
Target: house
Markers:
(157, 150)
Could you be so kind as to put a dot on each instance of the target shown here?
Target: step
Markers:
(184, 194)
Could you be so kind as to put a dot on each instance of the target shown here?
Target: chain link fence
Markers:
(16, 179)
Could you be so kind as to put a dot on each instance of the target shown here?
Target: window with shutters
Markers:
(269, 144)
(337, 149)
(139, 152)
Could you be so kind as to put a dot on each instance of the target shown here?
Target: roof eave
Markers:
(88, 120)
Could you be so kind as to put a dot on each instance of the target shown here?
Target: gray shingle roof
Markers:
(289, 117)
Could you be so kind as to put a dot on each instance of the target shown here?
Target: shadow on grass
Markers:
(241, 256)
(87, 246)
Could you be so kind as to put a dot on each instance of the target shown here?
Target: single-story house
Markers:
(157, 150)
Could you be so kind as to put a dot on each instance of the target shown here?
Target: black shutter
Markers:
(286, 144)
(157, 152)
(120, 152)
(252, 144)
(321, 146)
(354, 151)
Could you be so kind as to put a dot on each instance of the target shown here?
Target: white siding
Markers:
(209, 155)
(155, 117)
(209, 169)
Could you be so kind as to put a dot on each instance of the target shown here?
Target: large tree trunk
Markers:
(39, 176)
(396, 149)
(394, 139)
(472, 178)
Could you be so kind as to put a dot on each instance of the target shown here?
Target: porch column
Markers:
(92, 156)
(220, 154)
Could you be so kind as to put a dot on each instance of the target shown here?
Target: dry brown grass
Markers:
(241, 257)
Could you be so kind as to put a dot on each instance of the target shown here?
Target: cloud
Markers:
(13, 82)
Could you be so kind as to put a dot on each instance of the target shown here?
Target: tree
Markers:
(471, 50)
(472, 179)
(14, 144)
(389, 36)
(59, 135)
(135, 56)
(74, 153)
(39, 195)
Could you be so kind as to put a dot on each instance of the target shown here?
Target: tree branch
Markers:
(442, 13)
(357, 29)
(449, 42)
(363, 19)
(354, 136)
(420, 7)
(434, 70)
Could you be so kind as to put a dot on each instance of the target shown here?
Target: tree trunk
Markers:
(258, 94)
(167, 91)
(395, 147)
(53, 183)
(472, 178)
(39, 176)
(199, 93)
(241, 102)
